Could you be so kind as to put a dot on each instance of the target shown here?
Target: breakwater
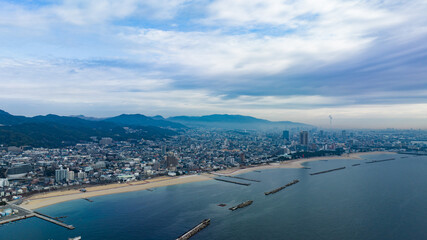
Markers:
(383, 160)
(282, 187)
(241, 178)
(241, 205)
(357, 164)
(239, 183)
(195, 230)
(331, 170)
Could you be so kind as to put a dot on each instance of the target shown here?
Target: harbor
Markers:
(195, 230)
(282, 187)
(326, 171)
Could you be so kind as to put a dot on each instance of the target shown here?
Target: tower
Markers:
(303, 138)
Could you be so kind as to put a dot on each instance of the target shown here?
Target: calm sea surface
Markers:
(385, 200)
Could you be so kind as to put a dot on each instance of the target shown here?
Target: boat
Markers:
(75, 238)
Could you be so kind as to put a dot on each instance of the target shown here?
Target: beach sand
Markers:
(50, 198)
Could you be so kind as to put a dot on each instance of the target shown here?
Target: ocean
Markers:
(383, 200)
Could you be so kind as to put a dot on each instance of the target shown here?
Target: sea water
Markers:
(384, 200)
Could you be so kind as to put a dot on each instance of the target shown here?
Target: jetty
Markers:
(357, 164)
(241, 205)
(239, 183)
(383, 160)
(241, 178)
(195, 230)
(331, 170)
(50, 219)
(282, 187)
(23, 213)
(87, 199)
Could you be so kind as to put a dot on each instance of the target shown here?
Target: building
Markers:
(106, 141)
(71, 176)
(171, 162)
(286, 135)
(303, 136)
(4, 182)
(81, 175)
(18, 170)
(242, 157)
(100, 165)
(61, 175)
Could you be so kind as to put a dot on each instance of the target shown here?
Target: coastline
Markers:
(50, 198)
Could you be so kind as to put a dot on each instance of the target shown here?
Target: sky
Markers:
(364, 62)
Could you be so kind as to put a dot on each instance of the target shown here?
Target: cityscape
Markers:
(213, 119)
(26, 170)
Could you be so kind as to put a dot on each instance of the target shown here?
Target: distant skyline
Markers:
(363, 62)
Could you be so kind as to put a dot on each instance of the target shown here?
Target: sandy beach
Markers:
(50, 198)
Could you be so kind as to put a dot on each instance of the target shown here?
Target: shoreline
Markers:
(51, 198)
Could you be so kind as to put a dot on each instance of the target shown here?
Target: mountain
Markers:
(225, 121)
(55, 131)
(7, 119)
(130, 120)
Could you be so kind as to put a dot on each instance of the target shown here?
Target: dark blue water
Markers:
(386, 200)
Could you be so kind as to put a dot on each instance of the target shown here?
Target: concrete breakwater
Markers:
(195, 230)
(331, 170)
(282, 187)
(241, 205)
(223, 180)
(383, 160)
(247, 179)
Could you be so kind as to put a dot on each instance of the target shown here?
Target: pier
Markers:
(282, 187)
(384, 160)
(195, 230)
(16, 219)
(331, 170)
(239, 183)
(49, 219)
(25, 213)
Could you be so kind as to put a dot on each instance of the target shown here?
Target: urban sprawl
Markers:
(25, 170)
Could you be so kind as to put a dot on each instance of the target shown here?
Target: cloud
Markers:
(296, 60)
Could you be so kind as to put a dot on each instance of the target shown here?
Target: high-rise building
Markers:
(70, 175)
(171, 162)
(242, 157)
(286, 135)
(61, 175)
(343, 134)
(303, 138)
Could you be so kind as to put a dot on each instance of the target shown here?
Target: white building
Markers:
(61, 175)
(70, 175)
(4, 182)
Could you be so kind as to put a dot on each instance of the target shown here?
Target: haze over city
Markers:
(363, 62)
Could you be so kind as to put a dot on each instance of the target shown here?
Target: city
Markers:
(26, 170)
